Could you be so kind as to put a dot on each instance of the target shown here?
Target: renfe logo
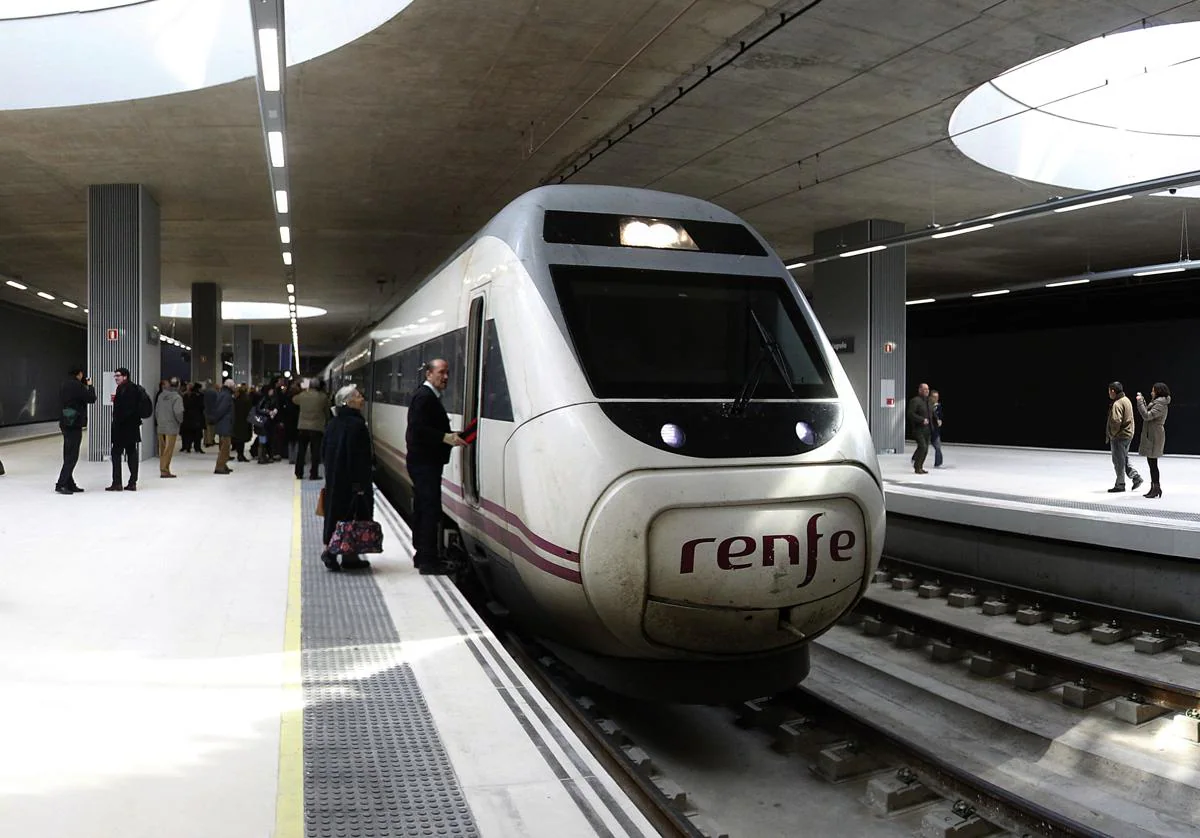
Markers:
(768, 549)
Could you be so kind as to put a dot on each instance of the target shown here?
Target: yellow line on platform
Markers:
(289, 800)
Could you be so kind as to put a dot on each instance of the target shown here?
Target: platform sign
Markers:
(108, 388)
(112, 334)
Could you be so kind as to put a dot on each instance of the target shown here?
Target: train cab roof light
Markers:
(971, 229)
(862, 250)
(650, 232)
(275, 146)
(1093, 203)
(287, 257)
(268, 54)
(12, 283)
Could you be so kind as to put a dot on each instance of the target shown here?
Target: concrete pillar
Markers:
(206, 332)
(123, 274)
(241, 354)
(860, 302)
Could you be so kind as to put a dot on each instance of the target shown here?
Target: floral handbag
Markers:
(355, 537)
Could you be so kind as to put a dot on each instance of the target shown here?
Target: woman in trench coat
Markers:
(1154, 432)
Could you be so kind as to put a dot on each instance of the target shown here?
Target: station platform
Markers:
(179, 662)
(1058, 495)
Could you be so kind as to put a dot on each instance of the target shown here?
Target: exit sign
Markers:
(113, 334)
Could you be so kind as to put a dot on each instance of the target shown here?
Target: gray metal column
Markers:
(124, 277)
(860, 302)
(256, 361)
(241, 354)
(206, 332)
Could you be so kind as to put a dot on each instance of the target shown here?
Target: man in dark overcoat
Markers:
(349, 459)
(429, 443)
(126, 430)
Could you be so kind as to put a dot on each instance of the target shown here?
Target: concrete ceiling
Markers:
(406, 141)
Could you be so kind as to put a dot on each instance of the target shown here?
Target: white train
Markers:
(673, 485)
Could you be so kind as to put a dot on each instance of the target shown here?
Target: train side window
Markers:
(497, 402)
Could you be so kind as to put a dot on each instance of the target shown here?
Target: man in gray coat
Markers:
(168, 415)
(223, 425)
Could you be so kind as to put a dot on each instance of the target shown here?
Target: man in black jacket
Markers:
(126, 429)
(919, 425)
(429, 442)
(76, 394)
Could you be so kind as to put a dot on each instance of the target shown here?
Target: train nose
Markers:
(734, 560)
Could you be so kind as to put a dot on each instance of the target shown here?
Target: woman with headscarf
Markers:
(349, 457)
(1154, 432)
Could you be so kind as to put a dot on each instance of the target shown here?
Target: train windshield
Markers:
(643, 334)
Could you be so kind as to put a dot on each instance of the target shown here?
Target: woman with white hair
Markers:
(349, 458)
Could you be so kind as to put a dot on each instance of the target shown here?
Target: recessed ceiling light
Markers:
(275, 145)
(950, 233)
(12, 283)
(281, 200)
(45, 296)
(291, 298)
(863, 250)
(268, 51)
(285, 235)
(69, 304)
(291, 289)
(287, 257)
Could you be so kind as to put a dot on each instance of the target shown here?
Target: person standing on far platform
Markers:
(935, 426)
(77, 393)
(1154, 432)
(429, 442)
(919, 413)
(223, 425)
(168, 415)
(1119, 433)
(127, 428)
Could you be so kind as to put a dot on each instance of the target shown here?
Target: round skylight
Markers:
(243, 311)
(1111, 111)
(118, 51)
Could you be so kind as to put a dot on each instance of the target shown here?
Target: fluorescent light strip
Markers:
(291, 298)
(1094, 203)
(268, 51)
(952, 233)
(291, 289)
(920, 302)
(69, 304)
(45, 296)
(287, 257)
(1067, 282)
(275, 145)
(990, 293)
(1156, 271)
(861, 251)
(795, 265)
(285, 235)
(281, 200)
(12, 283)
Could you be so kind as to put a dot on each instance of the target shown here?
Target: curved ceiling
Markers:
(157, 47)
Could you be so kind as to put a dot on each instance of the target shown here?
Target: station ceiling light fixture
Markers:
(270, 44)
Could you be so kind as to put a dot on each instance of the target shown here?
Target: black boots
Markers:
(1155, 491)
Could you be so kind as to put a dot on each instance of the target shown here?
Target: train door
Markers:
(473, 374)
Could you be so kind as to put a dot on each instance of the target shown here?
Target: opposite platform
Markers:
(179, 662)
(1061, 495)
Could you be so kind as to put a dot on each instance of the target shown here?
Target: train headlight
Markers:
(805, 432)
(648, 232)
(673, 435)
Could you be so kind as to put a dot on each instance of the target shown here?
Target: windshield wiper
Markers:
(770, 352)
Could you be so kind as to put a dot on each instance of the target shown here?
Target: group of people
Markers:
(924, 416)
(282, 419)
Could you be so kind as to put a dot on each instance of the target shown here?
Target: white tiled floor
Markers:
(140, 648)
(1028, 478)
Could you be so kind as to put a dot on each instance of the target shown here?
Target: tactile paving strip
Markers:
(1166, 515)
(374, 764)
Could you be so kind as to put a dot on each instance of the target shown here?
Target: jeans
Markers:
(936, 440)
(72, 439)
(427, 513)
(309, 441)
(130, 452)
(1120, 461)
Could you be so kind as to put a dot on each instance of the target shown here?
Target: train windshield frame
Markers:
(653, 334)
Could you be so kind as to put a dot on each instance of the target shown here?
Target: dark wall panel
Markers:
(36, 352)
(1033, 371)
